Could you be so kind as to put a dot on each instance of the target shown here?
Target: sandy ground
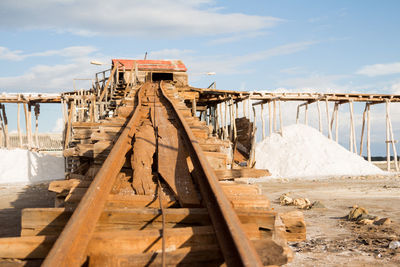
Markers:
(331, 239)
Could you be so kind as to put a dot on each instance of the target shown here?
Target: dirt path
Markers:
(334, 241)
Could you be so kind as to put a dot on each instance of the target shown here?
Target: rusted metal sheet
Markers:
(70, 247)
(236, 247)
(148, 65)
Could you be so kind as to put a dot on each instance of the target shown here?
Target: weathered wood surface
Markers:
(119, 242)
(172, 164)
(142, 160)
(294, 225)
(226, 174)
(50, 221)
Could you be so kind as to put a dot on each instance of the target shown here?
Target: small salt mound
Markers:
(25, 166)
(303, 151)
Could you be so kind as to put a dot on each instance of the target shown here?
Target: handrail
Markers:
(235, 245)
(108, 82)
(70, 247)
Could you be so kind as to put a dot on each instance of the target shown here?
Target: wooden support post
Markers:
(19, 125)
(368, 133)
(216, 119)
(387, 137)
(194, 107)
(237, 110)
(297, 114)
(69, 123)
(270, 118)
(234, 123)
(392, 139)
(254, 118)
(306, 114)
(327, 119)
(280, 119)
(319, 117)
(231, 119)
(222, 130)
(30, 125)
(26, 124)
(337, 124)
(249, 106)
(353, 132)
(2, 128)
(226, 121)
(262, 121)
(37, 112)
(5, 121)
(362, 129)
(275, 127)
(335, 118)
(244, 108)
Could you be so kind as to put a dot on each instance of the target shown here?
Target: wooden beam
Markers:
(26, 124)
(227, 174)
(50, 221)
(188, 255)
(19, 125)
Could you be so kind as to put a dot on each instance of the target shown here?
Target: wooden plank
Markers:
(240, 189)
(124, 243)
(63, 185)
(81, 124)
(27, 247)
(50, 221)
(188, 255)
(138, 201)
(135, 241)
(171, 150)
(142, 160)
(226, 174)
(245, 201)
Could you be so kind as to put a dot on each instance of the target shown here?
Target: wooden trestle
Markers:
(147, 188)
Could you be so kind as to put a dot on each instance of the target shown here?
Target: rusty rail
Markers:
(235, 246)
(70, 247)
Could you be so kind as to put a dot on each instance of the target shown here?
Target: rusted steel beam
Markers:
(70, 247)
(235, 245)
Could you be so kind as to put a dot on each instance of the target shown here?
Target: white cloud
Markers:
(8, 54)
(227, 64)
(151, 18)
(69, 52)
(54, 77)
(236, 37)
(380, 69)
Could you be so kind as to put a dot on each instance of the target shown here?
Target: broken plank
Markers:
(227, 174)
(171, 149)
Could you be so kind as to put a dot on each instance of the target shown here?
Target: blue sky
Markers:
(333, 46)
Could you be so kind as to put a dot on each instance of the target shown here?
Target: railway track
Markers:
(155, 200)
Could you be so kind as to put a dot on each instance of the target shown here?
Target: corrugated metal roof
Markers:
(149, 65)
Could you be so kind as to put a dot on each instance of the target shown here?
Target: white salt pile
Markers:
(303, 151)
(25, 166)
